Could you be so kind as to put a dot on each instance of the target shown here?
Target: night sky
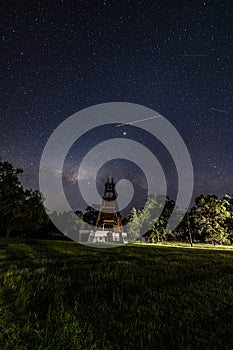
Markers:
(175, 57)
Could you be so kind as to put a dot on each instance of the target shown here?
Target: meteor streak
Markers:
(218, 110)
(195, 55)
(138, 121)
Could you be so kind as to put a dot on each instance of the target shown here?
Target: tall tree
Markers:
(134, 224)
(20, 210)
(211, 219)
(159, 219)
(152, 220)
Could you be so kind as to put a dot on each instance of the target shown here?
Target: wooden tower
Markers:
(109, 217)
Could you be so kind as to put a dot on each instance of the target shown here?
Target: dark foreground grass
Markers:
(61, 295)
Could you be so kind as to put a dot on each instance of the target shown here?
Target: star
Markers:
(180, 68)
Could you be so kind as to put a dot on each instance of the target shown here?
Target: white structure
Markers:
(106, 236)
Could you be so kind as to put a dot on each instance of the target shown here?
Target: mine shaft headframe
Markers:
(108, 213)
(110, 192)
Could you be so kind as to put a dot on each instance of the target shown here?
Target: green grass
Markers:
(62, 295)
(187, 245)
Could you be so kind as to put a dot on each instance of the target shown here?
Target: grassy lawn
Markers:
(62, 295)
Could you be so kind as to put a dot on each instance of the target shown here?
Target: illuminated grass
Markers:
(187, 245)
(61, 295)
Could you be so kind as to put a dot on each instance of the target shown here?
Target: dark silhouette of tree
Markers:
(90, 215)
(67, 224)
(20, 210)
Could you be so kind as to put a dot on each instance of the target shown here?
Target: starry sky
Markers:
(58, 57)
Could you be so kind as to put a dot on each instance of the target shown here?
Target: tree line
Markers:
(209, 221)
(22, 213)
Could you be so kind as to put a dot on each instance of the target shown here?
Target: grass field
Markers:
(62, 295)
